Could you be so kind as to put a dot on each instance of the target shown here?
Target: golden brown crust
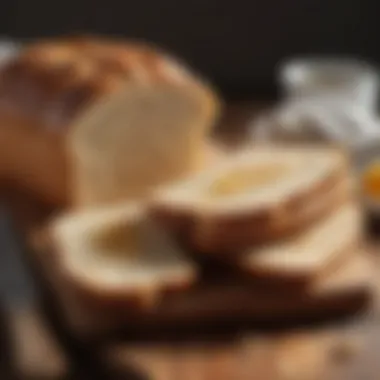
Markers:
(48, 85)
(33, 161)
(54, 79)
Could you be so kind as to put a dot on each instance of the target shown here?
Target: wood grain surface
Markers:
(299, 355)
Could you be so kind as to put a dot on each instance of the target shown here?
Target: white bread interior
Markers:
(311, 252)
(141, 137)
(256, 179)
(119, 253)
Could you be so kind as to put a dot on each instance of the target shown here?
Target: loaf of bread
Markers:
(117, 255)
(49, 84)
(255, 197)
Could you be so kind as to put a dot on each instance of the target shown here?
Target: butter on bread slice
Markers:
(230, 237)
(138, 138)
(256, 195)
(320, 247)
(117, 254)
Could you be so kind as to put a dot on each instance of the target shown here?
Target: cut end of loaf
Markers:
(137, 139)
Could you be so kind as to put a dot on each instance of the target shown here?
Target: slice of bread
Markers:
(141, 137)
(301, 259)
(118, 255)
(281, 189)
(234, 236)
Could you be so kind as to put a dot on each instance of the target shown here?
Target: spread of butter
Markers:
(240, 180)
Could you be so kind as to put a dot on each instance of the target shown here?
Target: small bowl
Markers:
(346, 78)
(365, 155)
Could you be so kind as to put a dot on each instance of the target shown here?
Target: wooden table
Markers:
(341, 350)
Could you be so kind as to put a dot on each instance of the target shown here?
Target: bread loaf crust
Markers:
(52, 81)
(48, 85)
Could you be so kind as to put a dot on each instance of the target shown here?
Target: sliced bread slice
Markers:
(303, 258)
(255, 196)
(141, 137)
(234, 236)
(118, 255)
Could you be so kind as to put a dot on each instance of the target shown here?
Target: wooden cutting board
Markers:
(331, 352)
(305, 355)
(220, 301)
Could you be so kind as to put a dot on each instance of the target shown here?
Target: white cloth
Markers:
(318, 119)
(7, 49)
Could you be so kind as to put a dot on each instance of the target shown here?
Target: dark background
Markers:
(237, 43)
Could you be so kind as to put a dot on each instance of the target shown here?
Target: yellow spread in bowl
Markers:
(371, 180)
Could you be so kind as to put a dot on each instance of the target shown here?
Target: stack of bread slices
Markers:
(280, 228)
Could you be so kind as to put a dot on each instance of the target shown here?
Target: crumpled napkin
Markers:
(8, 48)
(318, 119)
